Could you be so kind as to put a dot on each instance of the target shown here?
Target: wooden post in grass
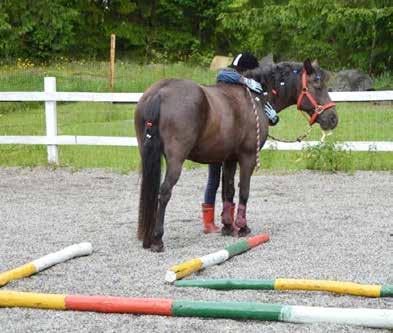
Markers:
(112, 63)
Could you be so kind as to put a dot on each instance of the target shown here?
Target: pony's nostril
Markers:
(333, 121)
(329, 121)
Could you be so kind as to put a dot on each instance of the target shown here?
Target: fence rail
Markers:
(46, 96)
(17, 96)
(50, 96)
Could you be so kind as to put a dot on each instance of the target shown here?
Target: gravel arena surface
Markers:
(322, 226)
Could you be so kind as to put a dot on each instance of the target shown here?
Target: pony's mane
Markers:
(280, 72)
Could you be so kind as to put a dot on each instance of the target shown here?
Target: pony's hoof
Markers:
(227, 230)
(244, 231)
(146, 245)
(157, 247)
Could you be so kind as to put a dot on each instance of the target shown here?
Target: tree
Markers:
(40, 29)
(338, 33)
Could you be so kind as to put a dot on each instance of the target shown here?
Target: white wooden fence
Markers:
(50, 96)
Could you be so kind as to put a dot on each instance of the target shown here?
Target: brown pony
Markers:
(180, 119)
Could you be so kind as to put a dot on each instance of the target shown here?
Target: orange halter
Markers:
(318, 109)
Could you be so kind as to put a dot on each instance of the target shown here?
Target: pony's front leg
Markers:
(228, 192)
(247, 165)
(172, 175)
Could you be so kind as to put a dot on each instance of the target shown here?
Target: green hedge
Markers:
(350, 33)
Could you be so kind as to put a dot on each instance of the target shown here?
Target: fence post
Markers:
(112, 62)
(51, 120)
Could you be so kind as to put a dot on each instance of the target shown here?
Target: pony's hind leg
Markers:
(173, 171)
(228, 192)
(247, 165)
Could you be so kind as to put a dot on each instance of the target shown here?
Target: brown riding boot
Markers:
(208, 219)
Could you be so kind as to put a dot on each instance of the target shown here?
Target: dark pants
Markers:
(213, 182)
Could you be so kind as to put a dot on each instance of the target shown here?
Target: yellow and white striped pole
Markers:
(187, 268)
(38, 265)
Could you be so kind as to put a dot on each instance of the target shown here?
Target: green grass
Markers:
(94, 76)
(384, 81)
(358, 121)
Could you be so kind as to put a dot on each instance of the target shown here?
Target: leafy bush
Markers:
(342, 34)
(38, 30)
(327, 157)
(339, 33)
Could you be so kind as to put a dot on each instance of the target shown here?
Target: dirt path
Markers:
(322, 226)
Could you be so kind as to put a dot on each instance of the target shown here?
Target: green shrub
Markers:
(327, 157)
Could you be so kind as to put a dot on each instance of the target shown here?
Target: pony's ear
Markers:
(308, 66)
(328, 75)
(315, 63)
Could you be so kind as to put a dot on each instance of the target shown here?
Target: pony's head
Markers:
(313, 96)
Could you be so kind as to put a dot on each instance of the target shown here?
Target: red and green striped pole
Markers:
(378, 318)
(179, 271)
(348, 288)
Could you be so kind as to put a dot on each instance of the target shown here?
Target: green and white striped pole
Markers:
(376, 318)
(184, 269)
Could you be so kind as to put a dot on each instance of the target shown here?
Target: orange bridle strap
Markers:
(318, 109)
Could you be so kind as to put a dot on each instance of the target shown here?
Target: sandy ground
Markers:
(322, 226)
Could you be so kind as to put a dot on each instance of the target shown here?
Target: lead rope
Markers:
(299, 138)
(254, 108)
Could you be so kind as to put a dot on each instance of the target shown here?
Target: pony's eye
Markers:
(317, 82)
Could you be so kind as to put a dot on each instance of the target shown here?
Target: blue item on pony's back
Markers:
(233, 77)
(228, 76)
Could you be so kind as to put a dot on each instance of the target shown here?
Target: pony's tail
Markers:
(151, 171)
